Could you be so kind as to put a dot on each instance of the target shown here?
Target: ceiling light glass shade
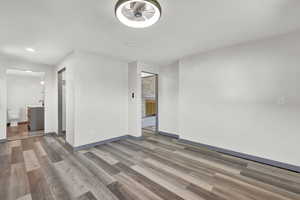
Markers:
(138, 13)
(30, 49)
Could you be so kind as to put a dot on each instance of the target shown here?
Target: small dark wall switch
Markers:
(132, 95)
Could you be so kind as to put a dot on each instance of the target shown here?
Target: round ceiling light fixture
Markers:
(138, 13)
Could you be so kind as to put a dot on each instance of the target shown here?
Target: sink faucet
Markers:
(41, 101)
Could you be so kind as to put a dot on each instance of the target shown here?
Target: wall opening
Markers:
(25, 103)
(61, 83)
(149, 103)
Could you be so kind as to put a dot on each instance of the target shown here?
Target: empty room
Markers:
(150, 100)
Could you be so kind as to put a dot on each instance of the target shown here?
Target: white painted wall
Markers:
(69, 63)
(168, 88)
(101, 103)
(134, 104)
(13, 63)
(3, 100)
(244, 98)
(167, 98)
(96, 98)
(135, 86)
(22, 91)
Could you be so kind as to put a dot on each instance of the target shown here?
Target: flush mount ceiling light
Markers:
(138, 13)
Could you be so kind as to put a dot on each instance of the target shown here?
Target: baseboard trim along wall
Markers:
(87, 146)
(169, 134)
(175, 136)
(69, 147)
(245, 156)
(3, 140)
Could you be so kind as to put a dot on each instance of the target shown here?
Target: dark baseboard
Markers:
(69, 147)
(88, 146)
(168, 134)
(265, 161)
(3, 140)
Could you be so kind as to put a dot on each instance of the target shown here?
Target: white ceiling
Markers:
(56, 27)
(24, 73)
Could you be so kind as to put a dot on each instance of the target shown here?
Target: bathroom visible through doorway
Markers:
(25, 103)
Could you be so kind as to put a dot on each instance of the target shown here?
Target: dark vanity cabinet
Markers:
(35, 118)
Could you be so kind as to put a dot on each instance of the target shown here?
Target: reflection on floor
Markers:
(149, 131)
(154, 168)
(21, 132)
(149, 128)
(148, 121)
(148, 125)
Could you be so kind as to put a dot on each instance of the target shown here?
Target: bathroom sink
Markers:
(35, 106)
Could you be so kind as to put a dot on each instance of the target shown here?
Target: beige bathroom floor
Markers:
(21, 132)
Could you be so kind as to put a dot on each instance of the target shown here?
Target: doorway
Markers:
(25, 104)
(61, 81)
(149, 103)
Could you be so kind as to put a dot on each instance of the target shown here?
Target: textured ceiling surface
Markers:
(56, 27)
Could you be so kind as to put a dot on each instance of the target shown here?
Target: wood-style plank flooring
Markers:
(155, 168)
